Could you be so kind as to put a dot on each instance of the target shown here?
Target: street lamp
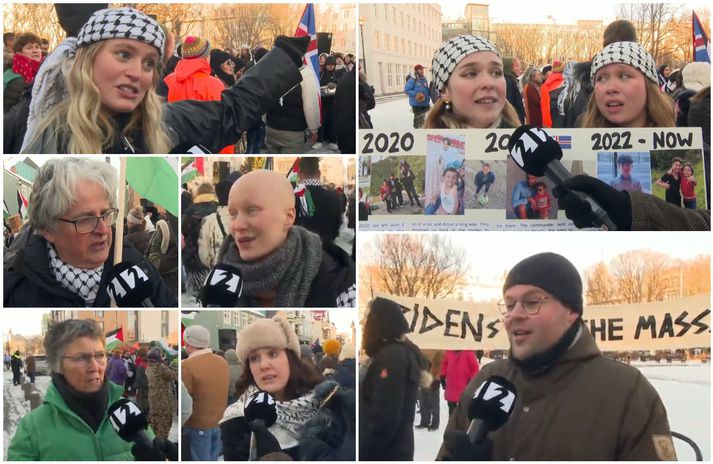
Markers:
(362, 21)
(554, 29)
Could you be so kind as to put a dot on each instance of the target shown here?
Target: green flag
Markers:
(154, 179)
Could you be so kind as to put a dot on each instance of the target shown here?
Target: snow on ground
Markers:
(684, 388)
(15, 407)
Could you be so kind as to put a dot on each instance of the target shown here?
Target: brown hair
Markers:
(24, 39)
(659, 110)
(620, 30)
(205, 187)
(303, 377)
(439, 118)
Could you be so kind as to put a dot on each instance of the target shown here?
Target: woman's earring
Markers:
(448, 105)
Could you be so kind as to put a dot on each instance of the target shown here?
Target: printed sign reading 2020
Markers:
(395, 142)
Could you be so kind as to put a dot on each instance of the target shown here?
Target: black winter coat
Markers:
(387, 403)
(344, 121)
(514, 97)
(287, 114)
(29, 282)
(13, 92)
(15, 124)
(327, 217)
(191, 228)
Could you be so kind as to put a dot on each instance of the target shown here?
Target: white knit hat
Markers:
(696, 75)
(630, 53)
(452, 52)
(197, 336)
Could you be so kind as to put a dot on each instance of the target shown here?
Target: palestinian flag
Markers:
(22, 205)
(193, 169)
(114, 339)
(5, 210)
(168, 351)
(294, 174)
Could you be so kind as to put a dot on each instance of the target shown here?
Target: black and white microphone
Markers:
(129, 422)
(260, 407)
(222, 287)
(538, 154)
(492, 404)
(129, 286)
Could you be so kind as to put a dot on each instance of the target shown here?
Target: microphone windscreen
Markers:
(261, 405)
(493, 402)
(532, 149)
(127, 419)
(222, 287)
(128, 285)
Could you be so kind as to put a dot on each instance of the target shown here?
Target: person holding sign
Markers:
(595, 408)
(468, 73)
(626, 92)
(65, 258)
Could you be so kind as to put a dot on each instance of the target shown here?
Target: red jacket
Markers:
(458, 367)
(532, 105)
(192, 81)
(554, 81)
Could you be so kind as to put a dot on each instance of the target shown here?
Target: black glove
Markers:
(266, 442)
(461, 449)
(170, 449)
(295, 47)
(616, 204)
(143, 453)
(443, 382)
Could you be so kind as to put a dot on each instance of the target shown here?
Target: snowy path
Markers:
(15, 407)
(684, 389)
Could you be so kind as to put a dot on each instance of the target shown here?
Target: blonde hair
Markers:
(440, 118)
(81, 121)
(659, 110)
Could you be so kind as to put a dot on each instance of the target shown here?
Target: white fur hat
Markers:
(696, 76)
(267, 333)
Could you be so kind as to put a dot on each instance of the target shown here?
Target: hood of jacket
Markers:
(185, 69)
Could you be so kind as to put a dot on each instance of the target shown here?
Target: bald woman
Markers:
(282, 265)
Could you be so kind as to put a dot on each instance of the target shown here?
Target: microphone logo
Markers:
(526, 144)
(231, 281)
(120, 416)
(493, 392)
(126, 280)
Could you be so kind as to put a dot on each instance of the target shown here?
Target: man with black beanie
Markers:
(572, 403)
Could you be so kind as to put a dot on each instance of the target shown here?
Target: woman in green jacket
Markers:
(72, 423)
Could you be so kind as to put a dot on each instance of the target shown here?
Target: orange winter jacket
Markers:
(554, 81)
(192, 81)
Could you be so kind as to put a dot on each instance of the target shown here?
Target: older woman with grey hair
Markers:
(72, 423)
(65, 256)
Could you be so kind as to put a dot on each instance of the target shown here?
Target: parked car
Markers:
(646, 356)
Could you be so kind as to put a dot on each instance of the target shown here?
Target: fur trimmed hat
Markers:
(332, 347)
(452, 52)
(195, 47)
(631, 53)
(264, 333)
(135, 216)
(554, 274)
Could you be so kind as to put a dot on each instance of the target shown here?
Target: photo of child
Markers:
(445, 175)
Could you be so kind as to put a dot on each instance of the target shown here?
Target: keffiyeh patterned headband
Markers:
(630, 53)
(121, 23)
(452, 52)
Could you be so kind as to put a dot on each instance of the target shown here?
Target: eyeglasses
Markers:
(531, 305)
(84, 360)
(87, 224)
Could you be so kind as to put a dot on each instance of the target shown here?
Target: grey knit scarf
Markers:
(289, 270)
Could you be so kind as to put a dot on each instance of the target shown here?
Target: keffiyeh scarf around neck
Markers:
(289, 270)
(83, 282)
(291, 415)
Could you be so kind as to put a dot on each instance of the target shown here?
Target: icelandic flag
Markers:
(22, 204)
(565, 141)
(701, 44)
(307, 26)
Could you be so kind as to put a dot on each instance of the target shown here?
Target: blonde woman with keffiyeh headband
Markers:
(468, 73)
(95, 93)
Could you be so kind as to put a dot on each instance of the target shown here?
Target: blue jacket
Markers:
(415, 86)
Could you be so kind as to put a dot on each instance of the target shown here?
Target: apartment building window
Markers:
(164, 323)
(390, 74)
(402, 19)
(376, 11)
(388, 42)
(226, 317)
(378, 40)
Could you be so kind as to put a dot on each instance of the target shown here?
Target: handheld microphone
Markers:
(538, 154)
(261, 406)
(222, 288)
(129, 422)
(129, 286)
(491, 406)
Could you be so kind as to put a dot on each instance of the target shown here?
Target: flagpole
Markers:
(119, 228)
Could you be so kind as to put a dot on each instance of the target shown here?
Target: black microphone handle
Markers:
(142, 439)
(556, 172)
(477, 430)
(146, 303)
